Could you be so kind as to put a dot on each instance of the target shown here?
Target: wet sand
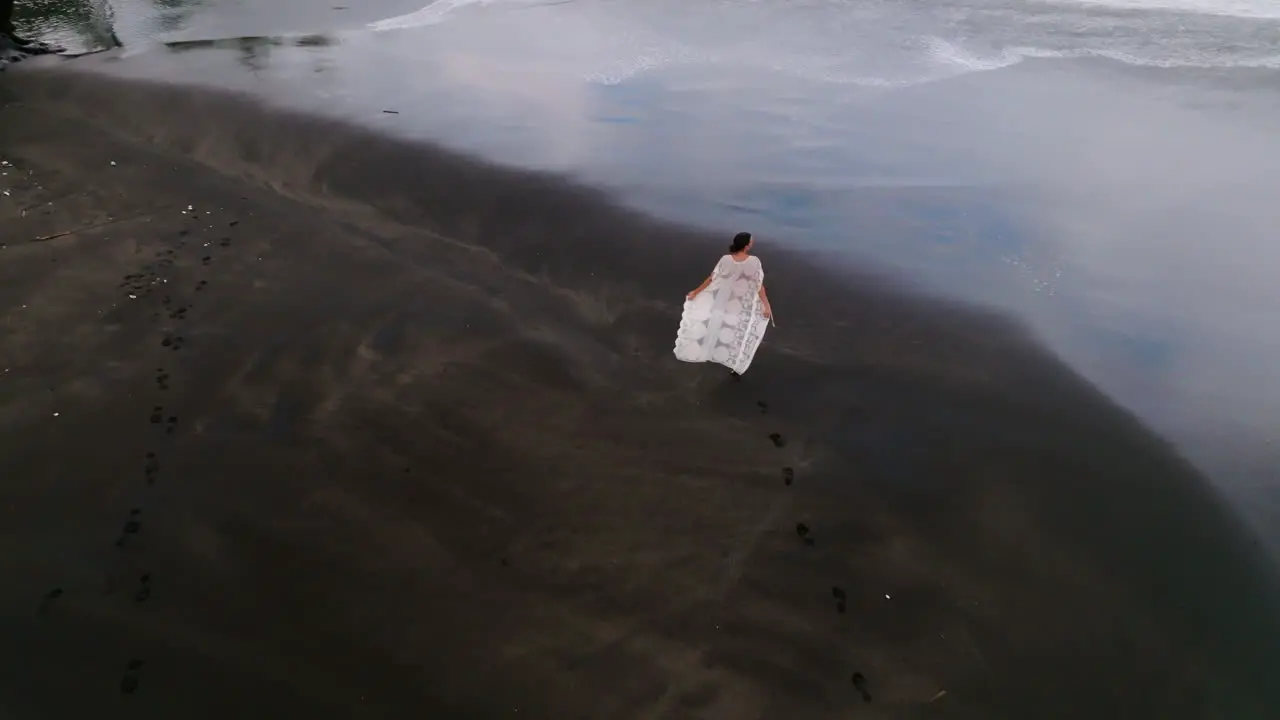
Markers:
(376, 430)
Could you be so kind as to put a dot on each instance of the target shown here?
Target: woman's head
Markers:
(742, 241)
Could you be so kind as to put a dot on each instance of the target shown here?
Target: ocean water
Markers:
(1101, 170)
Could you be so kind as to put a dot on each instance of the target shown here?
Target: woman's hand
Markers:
(693, 294)
(767, 311)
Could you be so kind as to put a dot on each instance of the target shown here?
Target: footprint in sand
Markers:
(144, 589)
(860, 682)
(132, 674)
(157, 414)
(173, 425)
(206, 260)
(788, 475)
(225, 242)
(778, 440)
(233, 223)
(200, 285)
(131, 527)
(162, 379)
(46, 602)
(764, 406)
(152, 468)
(802, 531)
(839, 594)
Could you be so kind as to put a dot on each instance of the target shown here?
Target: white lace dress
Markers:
(724, 323)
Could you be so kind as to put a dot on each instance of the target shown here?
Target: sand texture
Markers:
(299, 422)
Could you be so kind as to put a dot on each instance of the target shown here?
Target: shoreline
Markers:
(410, 370)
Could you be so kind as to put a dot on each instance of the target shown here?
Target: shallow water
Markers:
(1100, 170)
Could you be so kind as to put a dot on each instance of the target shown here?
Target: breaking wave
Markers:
(1254, 9)
(846, 43)
(436, 13)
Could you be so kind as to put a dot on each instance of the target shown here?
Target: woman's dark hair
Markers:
(740, 242)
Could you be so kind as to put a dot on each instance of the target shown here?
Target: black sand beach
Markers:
(299, 421)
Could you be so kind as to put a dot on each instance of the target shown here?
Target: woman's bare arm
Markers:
(702, 287)
(764, 302)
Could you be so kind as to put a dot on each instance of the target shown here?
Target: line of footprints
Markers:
(806, 536)
(154, 279)
(148, 282)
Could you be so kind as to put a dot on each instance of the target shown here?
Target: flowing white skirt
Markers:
(722, 326)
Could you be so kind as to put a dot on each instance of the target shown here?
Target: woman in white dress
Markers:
(725, 317)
